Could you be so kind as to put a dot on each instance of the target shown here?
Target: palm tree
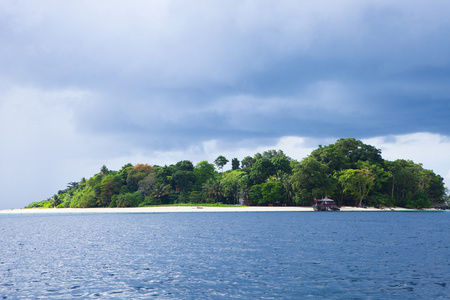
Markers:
(159, 190)
(244, 191)
(285, 180)
(288, 189)
(104, 170)
(73, 185)
(55, 200)
(214, 189)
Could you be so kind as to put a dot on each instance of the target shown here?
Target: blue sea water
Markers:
(272, 255)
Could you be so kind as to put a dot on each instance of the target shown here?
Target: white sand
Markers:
(353, 208)
(161, 209)
(167, 209)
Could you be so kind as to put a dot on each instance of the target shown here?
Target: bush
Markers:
(41, 204)
(129, 199)
(113, 202)
(209, 200)
(183, 197)
(149, 200)
(195, 197)
(420, 200)
(380, 200)
(87, 200)
(65, 204)
(300, 200)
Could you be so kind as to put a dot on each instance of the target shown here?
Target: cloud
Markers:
(90, 83)
(41, 149)
(429, 149)
(173, 44)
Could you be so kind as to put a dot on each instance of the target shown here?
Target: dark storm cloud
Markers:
(88, 81)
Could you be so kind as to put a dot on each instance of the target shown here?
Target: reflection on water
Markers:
(226, 255)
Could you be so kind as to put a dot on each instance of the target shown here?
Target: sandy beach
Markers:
(196, 209)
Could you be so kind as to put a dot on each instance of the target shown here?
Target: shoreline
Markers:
(175, 209)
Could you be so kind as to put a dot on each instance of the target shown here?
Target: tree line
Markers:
(349, 171)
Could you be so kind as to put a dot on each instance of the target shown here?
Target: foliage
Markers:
(41, 204)
(356, 182)
(311, 180)
(409, 179)
(220, 162)
(232, 183)
(137, 173)
(235, 164)
(129, 199)
(348, 171)
(159, 191)
(214, 189)
(204, 171)
(247, 162)
(261, 170)
(267, 193)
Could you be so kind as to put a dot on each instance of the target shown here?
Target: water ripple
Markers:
(225, 256)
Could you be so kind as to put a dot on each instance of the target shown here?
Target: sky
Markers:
(91, 83)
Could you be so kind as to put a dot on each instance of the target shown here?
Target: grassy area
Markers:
(42, 204)
(47, 204)
(197, 204)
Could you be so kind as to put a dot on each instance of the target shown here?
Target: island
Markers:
(350, 172)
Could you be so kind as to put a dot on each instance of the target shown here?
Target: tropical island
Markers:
(349, 171)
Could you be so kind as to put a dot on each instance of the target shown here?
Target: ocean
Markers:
(225, 255)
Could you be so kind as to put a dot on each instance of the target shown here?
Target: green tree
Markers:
(183, 176)
(183, 180)
(204, 171)
(257, 157)
(272, 192)
(232, 184)
(331, 157)
(261, 170)
(129, 199)
(288, 186)
(184, 165)
(311, 180)
(269, 154)
(220, 162)
(247, 162)
(407, 179)
(165, 174)
(266, 193)
(159, 191)
(213, 189)
(104, 170)
(87, 199)
(235, 164)
(73, 186)
(110, 185)
(281, 163)
(55, 200)
(446, 197)
(357, 182)
(436, 189)
(366, 153)
(345, 153)
(244, 189)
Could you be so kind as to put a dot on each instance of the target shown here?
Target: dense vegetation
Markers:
(348, 171)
